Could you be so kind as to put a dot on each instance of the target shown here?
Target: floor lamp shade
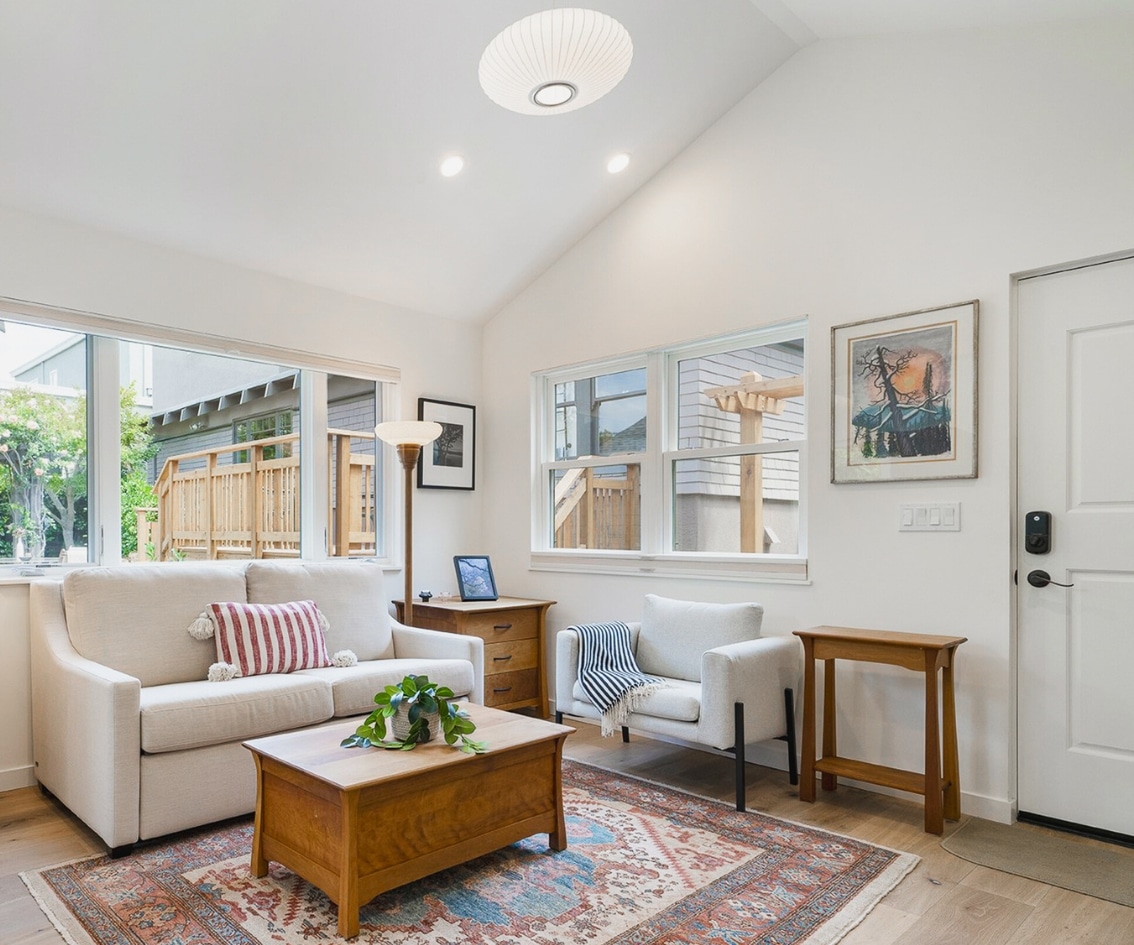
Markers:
(409, 436)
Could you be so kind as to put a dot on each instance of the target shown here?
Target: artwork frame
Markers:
(475, 579)
(935, 433)
(449, 462)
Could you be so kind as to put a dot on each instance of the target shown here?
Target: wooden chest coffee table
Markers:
(357, 822)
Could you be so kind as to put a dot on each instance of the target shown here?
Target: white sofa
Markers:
(132, 737)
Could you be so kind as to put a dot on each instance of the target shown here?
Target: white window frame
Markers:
(103, 435)
(657, 484)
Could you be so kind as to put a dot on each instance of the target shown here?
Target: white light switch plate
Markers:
(930, 517)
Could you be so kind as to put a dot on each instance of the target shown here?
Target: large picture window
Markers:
(212, 453)
(687, 458)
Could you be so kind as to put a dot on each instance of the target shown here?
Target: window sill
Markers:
(772, 569)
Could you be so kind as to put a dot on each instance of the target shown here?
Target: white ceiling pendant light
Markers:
(556, 61)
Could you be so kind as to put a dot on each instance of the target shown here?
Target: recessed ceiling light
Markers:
(452, 165)
(555, 61)
(618, 163)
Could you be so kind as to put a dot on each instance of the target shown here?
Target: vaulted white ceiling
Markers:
(303, 138)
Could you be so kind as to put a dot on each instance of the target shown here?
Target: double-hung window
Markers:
(685, 460)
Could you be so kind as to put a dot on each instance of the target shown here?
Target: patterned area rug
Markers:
(645, 865)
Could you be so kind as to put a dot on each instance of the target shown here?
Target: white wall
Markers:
(865, 178)
(58, 264)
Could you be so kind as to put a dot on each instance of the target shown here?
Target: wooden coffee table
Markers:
(357, 822)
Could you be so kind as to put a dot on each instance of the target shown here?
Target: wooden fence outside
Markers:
(252, 509)
(597, 511)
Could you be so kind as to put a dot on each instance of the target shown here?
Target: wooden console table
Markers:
(513, 632)
(940, 782)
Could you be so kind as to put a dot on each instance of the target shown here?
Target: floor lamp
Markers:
(409, 436)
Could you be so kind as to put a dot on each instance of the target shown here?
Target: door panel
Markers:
(1076, 460)
(1100, 363)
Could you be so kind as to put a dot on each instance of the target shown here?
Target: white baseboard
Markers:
(13, 778)
(997, 809)
(773, 754)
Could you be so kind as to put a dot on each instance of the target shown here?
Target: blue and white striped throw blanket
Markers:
(609, 673)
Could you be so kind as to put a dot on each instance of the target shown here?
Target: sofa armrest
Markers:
(86, 725)
(755, 672)
(567, 664)
(416, 643)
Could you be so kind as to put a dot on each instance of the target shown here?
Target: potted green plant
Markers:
(418, 709)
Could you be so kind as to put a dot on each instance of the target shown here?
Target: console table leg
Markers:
(952, 772)
(807, 751)
(934, 810)
(830, 739)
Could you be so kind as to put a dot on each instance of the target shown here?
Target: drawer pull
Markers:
(505, 689)
(501, 626)
(501, 659)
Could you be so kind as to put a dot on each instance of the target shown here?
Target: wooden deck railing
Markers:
(596, 511)
(252, 509)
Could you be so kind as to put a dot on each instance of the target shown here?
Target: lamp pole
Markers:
(408, 453)
(409, 436)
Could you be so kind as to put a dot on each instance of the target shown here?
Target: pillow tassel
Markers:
(344, 658)
(222, 672)
(201, 628)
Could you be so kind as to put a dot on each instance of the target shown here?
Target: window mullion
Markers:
(314, 528)
(104, 533)
(655, 493)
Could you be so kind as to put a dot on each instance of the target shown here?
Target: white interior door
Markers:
(1076, 461)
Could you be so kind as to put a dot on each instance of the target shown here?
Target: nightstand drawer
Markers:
(503, 625)
(510, 656)
(506, 688)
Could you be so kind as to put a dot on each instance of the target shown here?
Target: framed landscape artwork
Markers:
(449, 462)
(904, 396)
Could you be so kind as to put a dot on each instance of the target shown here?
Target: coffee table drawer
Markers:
(502, 625)
(506, 688)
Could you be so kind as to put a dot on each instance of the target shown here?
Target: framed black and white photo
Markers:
(904, 396)
(449, 462)
(474, 577)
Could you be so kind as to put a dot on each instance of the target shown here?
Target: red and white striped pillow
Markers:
(269, 638)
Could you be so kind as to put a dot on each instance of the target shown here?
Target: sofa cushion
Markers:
(133, 619)
(269, 638)
(194, 714)
(354, 687)
(679, 700)
(351, 594)
(675, 633)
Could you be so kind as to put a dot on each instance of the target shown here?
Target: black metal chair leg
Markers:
(738, 751)
(792, 754)
(625, 734)
(558, 718)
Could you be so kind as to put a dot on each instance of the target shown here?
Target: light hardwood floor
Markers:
(944, 901)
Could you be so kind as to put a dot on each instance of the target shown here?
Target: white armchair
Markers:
(726, 685)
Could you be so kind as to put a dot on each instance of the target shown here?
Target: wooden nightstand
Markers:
(513, 632)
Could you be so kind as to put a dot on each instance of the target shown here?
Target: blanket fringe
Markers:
(618, 714)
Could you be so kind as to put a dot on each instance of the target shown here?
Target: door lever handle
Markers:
(1039, 578)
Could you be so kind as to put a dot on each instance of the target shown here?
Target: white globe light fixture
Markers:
(555, 61)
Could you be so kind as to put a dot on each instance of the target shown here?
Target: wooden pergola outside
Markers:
(751, 398)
